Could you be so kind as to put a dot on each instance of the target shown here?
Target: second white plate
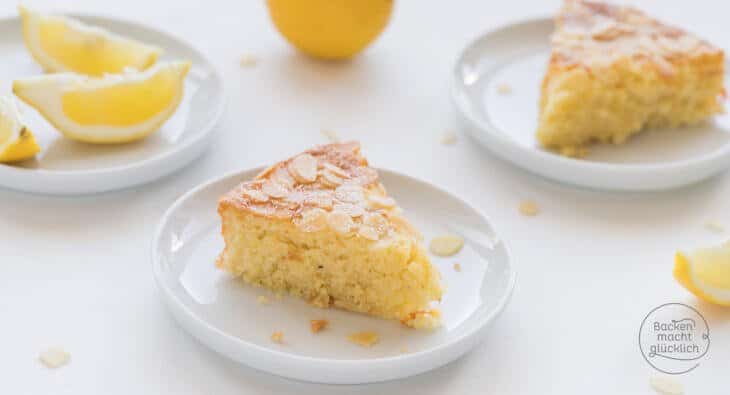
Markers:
(517, 56)
(224, 313)
(66, 167)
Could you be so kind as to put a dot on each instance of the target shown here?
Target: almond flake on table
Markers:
(449, 138)
(666, 385)
(714, 227)
(54, 357)
(529, 208)
(248, 60)
(504, 89)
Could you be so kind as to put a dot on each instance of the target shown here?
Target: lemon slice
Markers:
(16, 141)
(63, 44)
(117, 108)
(706, 273)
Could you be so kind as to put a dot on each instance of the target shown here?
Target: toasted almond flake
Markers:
(350, 193)
(54, 357)
(277, 337)
(381, 201)
(715, 227)
(446, 245)
(303, 168)
(349, 209)
(340, 222)
(312, 220)
(330, 179)
(504, 89)
(368, 232)
(375, 220)
(317, 326)
(319, 199)
(248, 60)
(666, 385)
(274, 189)
(261, 299)
(256, 195)
(330, 135)
(457, 267)
(336, 170)
(282, 176)
(449, 138)
(364, 339)
(529, 208)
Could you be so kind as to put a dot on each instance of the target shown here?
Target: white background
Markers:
(75, 272)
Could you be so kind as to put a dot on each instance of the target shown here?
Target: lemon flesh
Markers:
(16, 141)
(63, 44)
(330, 29)
(706, 273)
(114, 109)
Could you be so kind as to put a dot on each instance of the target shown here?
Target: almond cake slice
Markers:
(615, 71)
(320, 226)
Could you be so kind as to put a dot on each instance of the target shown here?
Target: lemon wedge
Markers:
(16, 141)
(706, 273)
(64, 44)
(116, 108)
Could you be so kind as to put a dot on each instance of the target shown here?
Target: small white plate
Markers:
(224, 314)
(517, 55)
(66, 167)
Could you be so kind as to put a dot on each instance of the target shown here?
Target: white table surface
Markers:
(75, 272)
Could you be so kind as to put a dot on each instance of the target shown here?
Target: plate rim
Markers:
(484, 130)
(470, 334)
(204, 133)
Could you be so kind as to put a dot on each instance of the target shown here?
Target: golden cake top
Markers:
(591, 33)
(326, 186)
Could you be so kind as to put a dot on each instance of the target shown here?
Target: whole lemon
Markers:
(330, 29)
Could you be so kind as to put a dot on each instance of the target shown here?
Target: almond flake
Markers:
(364, 339)
(277, 337)
(457, 267)
(54, 357)
(282, 176)
(449, 138)
(446, 245)
(256, 195)
(304, 168)
(340, 222)
(274, 189)
(312, 220)
(529, 208)
(318, 325)
(248, 60)
(504, 89)
(381, 201)
(350, 193)
(330, 179)
(375, 221)
(666, 385)
(349, 209)
(336, 170)
(368, 232)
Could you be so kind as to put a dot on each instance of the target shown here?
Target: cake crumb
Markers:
(330, 135)
(364, 339)
(449, 138)
(446, 245)
(318, 325)
(504, 89)
(262, 299)
(457, 267)
(666, 385)
(248, 60)
(529, 208)
(54, 357)
(715, 227)
(277, 337)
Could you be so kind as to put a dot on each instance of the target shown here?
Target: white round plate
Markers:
(517, 55)
(66, 167)
(224, 314)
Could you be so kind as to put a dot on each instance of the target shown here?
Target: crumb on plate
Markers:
(277, 337)
(529, 208)
(318, 325)
(364, 339)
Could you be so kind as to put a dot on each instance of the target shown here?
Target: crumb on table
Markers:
(457, 267)
(54, 357)
(529, 208)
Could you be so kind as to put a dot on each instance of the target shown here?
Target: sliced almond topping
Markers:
(446, 245)
(381, 201)
(350, 193)
(368, 232)
(312, 220)
(320, 199)
(282, 176)
(340, 222)
(54, 357)
(330, 179)
(336, 170)
(277, 337)
(304, 168)
(318, 325)
(375, 221)
(364, 339)
(256, 195)
(274, 189)
(349, 209)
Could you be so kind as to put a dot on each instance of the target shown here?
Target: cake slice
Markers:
(320, 226)
(614, 71)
